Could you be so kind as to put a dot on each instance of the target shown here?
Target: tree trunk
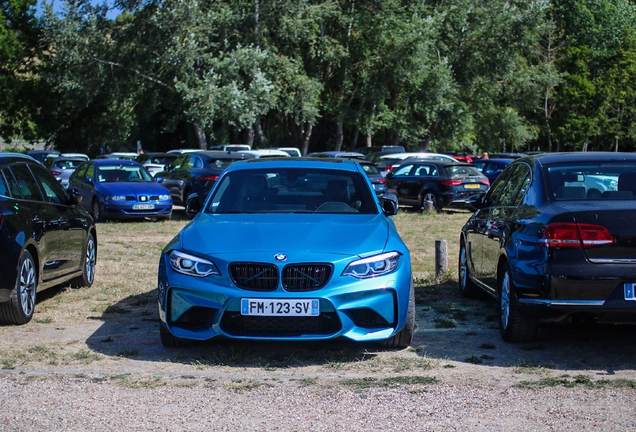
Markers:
(260, 137)
(354, 137)
(306, 137)
(339, 136)
(199, 135)
(250, 135)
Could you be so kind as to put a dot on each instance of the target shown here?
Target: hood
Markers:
(283, 233)
(133, 188)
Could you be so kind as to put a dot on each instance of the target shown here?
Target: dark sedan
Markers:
(554, 241)
(491, 168)
(120, 189)
(196, 172)
(46, 239)
(446, 184)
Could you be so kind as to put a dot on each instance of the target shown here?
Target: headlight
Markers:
(377, 265)
(164, 197)
(191, 265)
(115, 198)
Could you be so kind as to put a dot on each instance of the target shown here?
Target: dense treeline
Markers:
(493, 75)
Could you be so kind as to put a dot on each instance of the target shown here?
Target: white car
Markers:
(389, 162)
(265, 153)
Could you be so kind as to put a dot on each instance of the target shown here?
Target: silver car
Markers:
(62, 167)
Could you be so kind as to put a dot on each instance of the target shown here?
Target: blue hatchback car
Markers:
(120, 189)
(288, 249)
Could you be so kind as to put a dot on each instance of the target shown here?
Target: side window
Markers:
(177, 164)
(53, 192)
(516, 188)
(403, 170)
(13, 185)
(4, 189)
(89, 173)
(422, 170)
(80, 172)
(26, 183)
(187, 162)
(494, 193)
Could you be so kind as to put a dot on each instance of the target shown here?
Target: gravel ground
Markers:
(63, 403)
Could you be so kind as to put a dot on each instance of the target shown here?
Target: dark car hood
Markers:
(319, 233)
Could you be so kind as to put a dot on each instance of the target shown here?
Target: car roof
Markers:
(415, 154)
(436, 161)
(263, 152)
(549, 158)
(220, 154)
(114, 162)
(6, 157)
(338, 154)
(287, 162)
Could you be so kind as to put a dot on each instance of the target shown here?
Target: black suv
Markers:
(46, 239)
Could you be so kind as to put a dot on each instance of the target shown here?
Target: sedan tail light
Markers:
(209, 178)
(575, 235)
(55, 173)
(451, 182)
(382, 180)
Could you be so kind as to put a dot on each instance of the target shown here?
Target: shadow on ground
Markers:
(449, 328)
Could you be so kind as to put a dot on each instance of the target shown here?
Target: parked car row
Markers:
(552, 240)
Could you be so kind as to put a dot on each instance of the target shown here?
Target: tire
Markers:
(404, 337)
(169, 340)
(97, 213)
(19, 309)
(88, 268)
(514, 326)
(430, 196)
(467, 287)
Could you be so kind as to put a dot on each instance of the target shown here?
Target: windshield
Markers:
(292, 190)
(122, 173)
(598, 181)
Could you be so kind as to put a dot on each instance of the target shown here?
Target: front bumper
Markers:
(116, 210)
(360, 310)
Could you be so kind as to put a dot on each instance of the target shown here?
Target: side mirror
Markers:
(389, 203)
(193, 206)
(88, 180)
(75, 197)
(159, 179)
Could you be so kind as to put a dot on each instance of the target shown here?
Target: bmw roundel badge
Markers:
(280, 257)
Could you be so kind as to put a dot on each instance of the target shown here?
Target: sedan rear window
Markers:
(457, 171)
(602, 181)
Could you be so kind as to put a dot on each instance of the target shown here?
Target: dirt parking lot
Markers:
(88, 362)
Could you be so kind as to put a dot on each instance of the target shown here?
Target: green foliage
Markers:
(499, 75)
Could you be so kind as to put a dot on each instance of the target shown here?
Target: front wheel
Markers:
(19, 309)
(97, 213)
(169, 340)
(404, 337)
(514, 326)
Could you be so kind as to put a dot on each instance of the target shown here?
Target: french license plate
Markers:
(277, 307)
(629, 291)
(143, 206)
(472, 186)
